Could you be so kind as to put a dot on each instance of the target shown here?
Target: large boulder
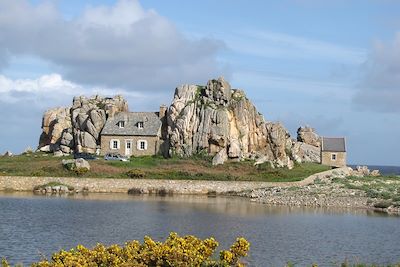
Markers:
(308, 136)
(214, 119)
(54, 122)
(223, 122)
(8, 154)
(75, 164)
(220, 157)
(77, 128)
(302, 152)
(82, 163)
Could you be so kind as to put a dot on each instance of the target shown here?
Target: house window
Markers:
(333, 156)
(121, 124)
(140, 124)
(142, 145)
(114, 144)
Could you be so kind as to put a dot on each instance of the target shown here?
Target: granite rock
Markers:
(77, 128)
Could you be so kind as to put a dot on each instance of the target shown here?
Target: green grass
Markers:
(299, 172)
(198, 167)
(385, 188)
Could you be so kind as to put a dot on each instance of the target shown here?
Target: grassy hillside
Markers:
(196, 168)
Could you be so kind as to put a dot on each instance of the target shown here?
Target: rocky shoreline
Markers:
(326, 191)
(338, 188)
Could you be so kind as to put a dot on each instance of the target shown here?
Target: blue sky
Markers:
(334, 66)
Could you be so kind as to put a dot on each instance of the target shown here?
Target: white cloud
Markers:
(122, 45)
(46, 83)
(279, 85)
(52, 90)
(380, 88)
(269, 44)
(121, 16)
(23, 101)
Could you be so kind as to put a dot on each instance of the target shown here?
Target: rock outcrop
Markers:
(77, 128)
(8, 154)
(361, 171)
(303, 152)
(221, 121)
(307, 148)
(75, 164)
(308, 136)
(214, 119)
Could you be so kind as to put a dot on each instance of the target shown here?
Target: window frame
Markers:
(140, 124)
(139, 145)
(121, 124)
(114, 142)
(333, 156)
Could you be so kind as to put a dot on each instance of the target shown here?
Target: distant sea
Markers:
(395, 170)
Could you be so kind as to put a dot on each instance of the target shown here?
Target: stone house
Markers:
(333, 151)
(133, 133)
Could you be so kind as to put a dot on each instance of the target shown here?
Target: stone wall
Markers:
(152, 145)
(100, 185)
(326, 159)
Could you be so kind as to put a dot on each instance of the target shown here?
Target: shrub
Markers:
(38, 173)
(135, 173)
(69, 166)
(175, 251)
(81, 171)
(372, 193)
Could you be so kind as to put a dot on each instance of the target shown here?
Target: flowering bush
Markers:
(175, 251)
(135, 173)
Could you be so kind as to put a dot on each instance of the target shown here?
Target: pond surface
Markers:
(31, 226)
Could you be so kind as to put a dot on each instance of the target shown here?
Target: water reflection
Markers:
(31, 224)
(227, 205)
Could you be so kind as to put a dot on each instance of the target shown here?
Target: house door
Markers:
(128, 147)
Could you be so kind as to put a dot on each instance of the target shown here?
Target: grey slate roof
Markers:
(333, 144)
(151, 124)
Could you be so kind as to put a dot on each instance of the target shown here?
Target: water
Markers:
(34, 225)
(385, 170)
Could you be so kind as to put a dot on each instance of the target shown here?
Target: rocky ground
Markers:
(368, 192)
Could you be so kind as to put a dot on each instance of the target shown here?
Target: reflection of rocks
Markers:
(59, 189)
(56, 189)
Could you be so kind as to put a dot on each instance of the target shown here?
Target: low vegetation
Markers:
(175, 251)
(384, 188)
(135, 173)
(198, 167)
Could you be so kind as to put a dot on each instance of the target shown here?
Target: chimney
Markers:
(163, 111)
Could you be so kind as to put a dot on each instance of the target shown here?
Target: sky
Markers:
(331, 65)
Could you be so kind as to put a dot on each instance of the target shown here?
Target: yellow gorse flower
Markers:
(174, 251)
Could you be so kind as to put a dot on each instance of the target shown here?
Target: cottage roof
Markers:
(151, 124)
(333, 144)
